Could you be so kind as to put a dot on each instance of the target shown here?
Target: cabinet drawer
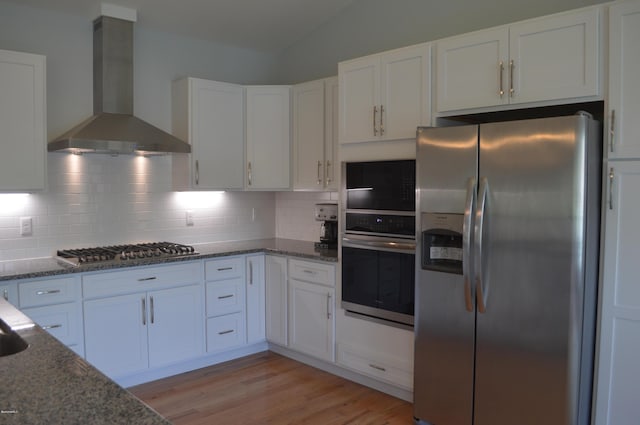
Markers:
(324, 274)
(62, 321)
(50, 291)
(225, 297)
(140, 279)
(225, 332)
(224, 268)
(376, 365)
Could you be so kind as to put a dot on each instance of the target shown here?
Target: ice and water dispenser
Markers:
(442, 242)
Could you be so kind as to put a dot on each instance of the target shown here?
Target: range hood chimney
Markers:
(113, 129)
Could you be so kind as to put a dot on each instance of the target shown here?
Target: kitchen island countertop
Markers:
(50, 266)
(49, 384)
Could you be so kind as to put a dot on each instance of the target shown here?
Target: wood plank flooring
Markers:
(267, 388)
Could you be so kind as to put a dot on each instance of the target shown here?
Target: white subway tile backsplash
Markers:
(97, 200)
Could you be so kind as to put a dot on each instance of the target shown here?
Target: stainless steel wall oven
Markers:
(378, 240)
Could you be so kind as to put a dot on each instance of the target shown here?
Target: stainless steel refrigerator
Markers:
(506, 272)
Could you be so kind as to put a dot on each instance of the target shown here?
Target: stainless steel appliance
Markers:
(378, 243)
(123, 253)
(113, 128)
(507, 278)
(328, 214)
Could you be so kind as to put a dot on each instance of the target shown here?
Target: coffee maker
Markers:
(328, 214)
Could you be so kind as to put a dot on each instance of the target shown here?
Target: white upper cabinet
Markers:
(22, 121)
(385, 96)
(545, 59)
(210, 116)
(268, 164)
(315, 135)
(624, 90)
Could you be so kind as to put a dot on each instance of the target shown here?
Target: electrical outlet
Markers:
(189, 217)
(26, 226)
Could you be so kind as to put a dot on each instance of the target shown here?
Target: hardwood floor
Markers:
(267, 388)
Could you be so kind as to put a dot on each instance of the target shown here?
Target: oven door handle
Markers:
(409, 247)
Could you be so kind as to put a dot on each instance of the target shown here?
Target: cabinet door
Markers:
(175, 324)
(471, 70)
(308, 135)
(217, 126)
(268, 138)
(115, 334)
(255, 298)
(624, 90)
(311, 319)
(9, 292)
(23, 121)
(555, 57)
(618, 373)
(359, 94)
(405, 92)
(331, 168)
(276, 299)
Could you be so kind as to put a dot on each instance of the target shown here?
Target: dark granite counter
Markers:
(42, 267)
(49, 384)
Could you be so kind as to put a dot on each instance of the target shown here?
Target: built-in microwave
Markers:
(378, 241)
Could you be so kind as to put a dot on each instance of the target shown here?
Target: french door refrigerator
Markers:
(506, 272)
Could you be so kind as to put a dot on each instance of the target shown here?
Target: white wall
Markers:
(371, 26)
(97, 200)
(295, 214)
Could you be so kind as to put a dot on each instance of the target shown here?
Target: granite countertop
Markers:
(49, 266)
(48, 383)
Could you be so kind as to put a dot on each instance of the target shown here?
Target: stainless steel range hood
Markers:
(113, 128)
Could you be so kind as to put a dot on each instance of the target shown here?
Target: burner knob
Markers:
(124, 256)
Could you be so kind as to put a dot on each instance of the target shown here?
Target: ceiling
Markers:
(266, 25)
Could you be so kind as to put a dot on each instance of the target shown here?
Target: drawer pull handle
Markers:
(145, 279)
(47, 327)
(309, 271)
(377, 367)
(222, 297)
(225, 332)
(48, 292)
(223, 269)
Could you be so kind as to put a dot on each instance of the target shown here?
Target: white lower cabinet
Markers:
(276, 299)
(311, 323)
(143, 318)
(312, 308)
(255, 298)
(226, 298)
(9, 292)
(375, 350)
(55, 305)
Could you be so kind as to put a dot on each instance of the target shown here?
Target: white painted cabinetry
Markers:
(226, 300)
(544, 59)
(618, 375)
(55, 305)
(210, 116)
(145, 317)
(624, 91)
(314, 135)
(385, 96)
(255, 269)
(23, 121)
(268, 139)
(276, 308)
(9, 292)
(312, 308)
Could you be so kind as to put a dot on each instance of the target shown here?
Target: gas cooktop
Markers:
(124, 253)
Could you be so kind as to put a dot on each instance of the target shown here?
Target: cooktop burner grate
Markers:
(124, 252)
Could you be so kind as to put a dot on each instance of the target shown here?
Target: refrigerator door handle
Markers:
(467, 243)
(482, 289)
